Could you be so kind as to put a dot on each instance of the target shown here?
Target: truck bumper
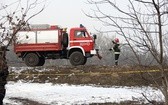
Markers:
(93, 52)
(96, 53)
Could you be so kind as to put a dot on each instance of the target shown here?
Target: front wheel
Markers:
(32, 59)
(85, 60)
(77, 58)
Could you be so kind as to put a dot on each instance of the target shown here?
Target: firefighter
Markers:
(116, 50)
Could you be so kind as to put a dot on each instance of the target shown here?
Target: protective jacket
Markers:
(116, 48)
(116, 51)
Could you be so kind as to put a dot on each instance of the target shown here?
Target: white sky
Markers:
(67, 13)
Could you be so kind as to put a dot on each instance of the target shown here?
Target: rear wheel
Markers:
(42, 61)
(32, 59)
(77, 58)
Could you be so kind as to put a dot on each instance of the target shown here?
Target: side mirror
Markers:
(95, 36)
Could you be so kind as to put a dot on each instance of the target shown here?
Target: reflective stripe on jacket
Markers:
(116, 52)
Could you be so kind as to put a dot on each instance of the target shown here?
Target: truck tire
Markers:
(77, 58)
(32, 59)
(42, 61)
(65, 40)
(85, 60)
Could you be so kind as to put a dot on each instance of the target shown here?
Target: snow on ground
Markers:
(20, 69)
(59, 94)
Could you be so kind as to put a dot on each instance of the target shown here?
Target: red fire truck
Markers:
(40, 42)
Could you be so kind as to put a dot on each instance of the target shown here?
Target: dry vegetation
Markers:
(86, 75)
(99, 75)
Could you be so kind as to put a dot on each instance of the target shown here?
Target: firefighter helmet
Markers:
(116, 40)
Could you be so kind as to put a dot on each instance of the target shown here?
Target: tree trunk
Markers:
(3, 73)
(165, 89)
(166, 100)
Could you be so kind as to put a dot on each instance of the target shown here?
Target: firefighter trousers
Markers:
(116, 58)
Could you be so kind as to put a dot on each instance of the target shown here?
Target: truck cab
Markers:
(81, 46)
(80, 37)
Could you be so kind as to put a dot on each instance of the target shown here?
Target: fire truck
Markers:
(36, 43)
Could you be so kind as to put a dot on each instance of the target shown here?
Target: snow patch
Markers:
(47, 93)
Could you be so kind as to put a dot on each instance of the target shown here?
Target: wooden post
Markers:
(3, 73)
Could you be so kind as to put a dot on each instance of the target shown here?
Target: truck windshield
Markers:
(81, 34)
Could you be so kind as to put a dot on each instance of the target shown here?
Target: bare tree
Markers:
(14, 16)
(143, 24)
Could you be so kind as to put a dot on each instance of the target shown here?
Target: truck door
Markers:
(83, 39)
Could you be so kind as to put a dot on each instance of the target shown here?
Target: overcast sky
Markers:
(67, 13)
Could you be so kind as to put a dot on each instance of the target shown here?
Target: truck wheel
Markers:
(85, 60)
(77, 58)
(42, 61)
(31, 59)
(65, 40)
